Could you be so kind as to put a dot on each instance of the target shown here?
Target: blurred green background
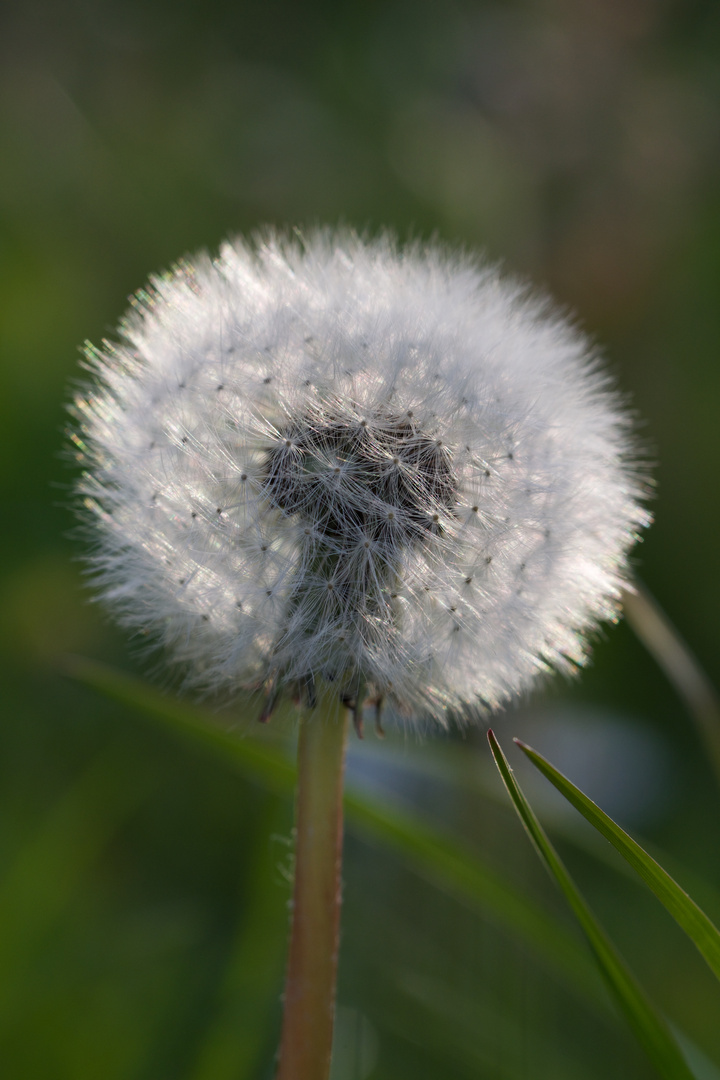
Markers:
(143, 885)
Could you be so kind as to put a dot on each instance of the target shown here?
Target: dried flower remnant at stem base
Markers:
(331, 459)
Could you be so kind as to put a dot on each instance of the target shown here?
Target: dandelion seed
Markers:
(347, 476)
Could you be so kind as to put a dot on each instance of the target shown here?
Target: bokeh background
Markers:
(143, 885)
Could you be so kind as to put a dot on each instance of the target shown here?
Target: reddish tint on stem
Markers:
(309, 1001)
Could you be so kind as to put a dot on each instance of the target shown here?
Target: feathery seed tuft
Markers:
(335, 459)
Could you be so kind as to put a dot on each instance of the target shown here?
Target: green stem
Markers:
(309, 1002)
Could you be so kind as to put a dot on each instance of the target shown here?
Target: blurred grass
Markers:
(434, 855)
(578, 143)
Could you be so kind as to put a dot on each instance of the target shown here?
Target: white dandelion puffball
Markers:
(330, 459)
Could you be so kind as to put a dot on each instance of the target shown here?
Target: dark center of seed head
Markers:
(380, 479)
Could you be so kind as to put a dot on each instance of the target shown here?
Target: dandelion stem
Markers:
(309, 1004)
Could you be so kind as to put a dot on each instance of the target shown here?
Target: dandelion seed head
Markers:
(334, 459)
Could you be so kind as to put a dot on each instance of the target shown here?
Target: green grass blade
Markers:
(432, 854)
(699, 928)
(681, 667)
(262, 763)
(648, 1025)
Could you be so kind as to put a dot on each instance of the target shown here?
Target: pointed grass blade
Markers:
(647, 1024)
(696, 924)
